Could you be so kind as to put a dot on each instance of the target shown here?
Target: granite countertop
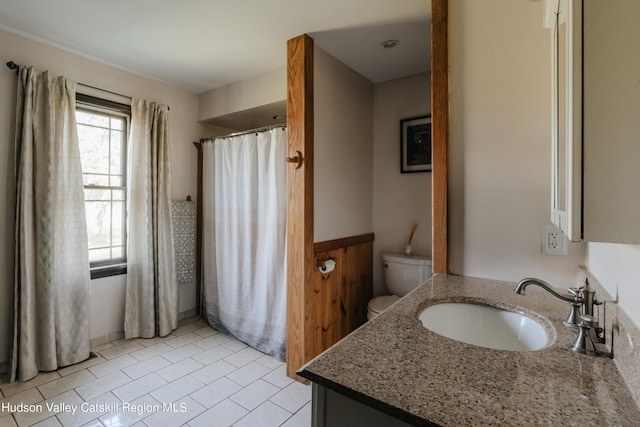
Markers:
(394, 364)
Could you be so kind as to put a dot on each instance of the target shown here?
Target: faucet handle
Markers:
(586, 321)
(574, 291)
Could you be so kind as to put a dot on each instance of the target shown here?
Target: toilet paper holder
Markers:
(325, 264)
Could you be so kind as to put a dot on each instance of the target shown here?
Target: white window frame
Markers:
(90, 104)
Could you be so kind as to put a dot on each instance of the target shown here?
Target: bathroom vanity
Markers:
(393, 371)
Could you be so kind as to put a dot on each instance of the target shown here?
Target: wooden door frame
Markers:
(300, 124)
(440, 132)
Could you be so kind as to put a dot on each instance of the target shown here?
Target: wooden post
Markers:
(300, 256)
(440, 131)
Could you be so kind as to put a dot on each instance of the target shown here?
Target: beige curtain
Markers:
(52, 282)
(151, 306)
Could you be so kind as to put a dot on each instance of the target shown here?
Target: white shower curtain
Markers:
(245, 191)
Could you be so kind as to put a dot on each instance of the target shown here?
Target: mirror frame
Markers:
(566, 214)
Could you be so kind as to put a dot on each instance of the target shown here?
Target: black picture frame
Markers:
(415, 144)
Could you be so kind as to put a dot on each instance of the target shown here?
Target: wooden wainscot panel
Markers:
(340, 297)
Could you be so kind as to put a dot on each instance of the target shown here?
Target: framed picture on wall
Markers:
(415, 144)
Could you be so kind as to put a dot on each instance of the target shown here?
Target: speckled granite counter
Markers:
(397, 366)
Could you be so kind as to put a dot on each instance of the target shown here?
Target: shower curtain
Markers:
(244, 262)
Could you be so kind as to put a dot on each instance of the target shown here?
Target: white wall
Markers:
(617, 268)
(399, 200)
(343, 155)
(500, 143)
(263, 89)
(108, 293)
(500, 155)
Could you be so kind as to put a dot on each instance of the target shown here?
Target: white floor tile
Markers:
(208, 379)
(302, 418)
(270, 362)
(82, 365)
(243, 357)
(148, 366)
(103, 385)
(205, 331)
(132, 413)
(214, 354)
(99, 348)
(266, 415)
(235, 345)
(139, 387)
(215, 392)
(293, 397)
(151, 351)
(181, 353)
(214, 371)
(254, 395)
(248, 373)
(67, 383)
(49, 422)
(49, 408)
(7, 421)
(9, 389)
(224, 414)
(26, 397)
(278, 377)
(112, 365)
(148, 342)
(88, 412)
(186, 328)
(176, 390)
(119, 350)
(212, 341)
(183, 340)
(180, 369)
(182, 412)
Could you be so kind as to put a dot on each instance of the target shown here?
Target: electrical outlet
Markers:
(553, 240)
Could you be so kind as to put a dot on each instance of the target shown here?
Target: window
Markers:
(102, 134)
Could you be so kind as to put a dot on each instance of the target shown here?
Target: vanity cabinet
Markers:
(595, 119)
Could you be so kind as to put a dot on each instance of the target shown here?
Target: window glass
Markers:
(102, 137)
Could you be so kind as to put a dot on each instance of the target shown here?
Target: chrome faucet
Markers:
(522, 285)
(582, 302)
(573, 297)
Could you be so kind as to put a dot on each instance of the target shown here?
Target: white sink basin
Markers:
(484, 326)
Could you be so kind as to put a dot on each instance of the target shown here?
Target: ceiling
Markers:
(197, 45)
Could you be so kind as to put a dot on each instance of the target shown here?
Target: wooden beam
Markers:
(300, 255)
(440, 131)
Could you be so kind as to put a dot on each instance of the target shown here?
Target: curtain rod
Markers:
(16, 67)
(245, 132)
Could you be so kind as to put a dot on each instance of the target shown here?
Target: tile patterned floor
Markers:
(194, 377)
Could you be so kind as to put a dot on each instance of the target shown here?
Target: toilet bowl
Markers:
(402, 274)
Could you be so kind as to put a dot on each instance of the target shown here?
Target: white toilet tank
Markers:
(403, 273)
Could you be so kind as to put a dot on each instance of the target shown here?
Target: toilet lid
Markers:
(380, 304)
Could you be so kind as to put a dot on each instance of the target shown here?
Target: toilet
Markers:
(402, 274)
